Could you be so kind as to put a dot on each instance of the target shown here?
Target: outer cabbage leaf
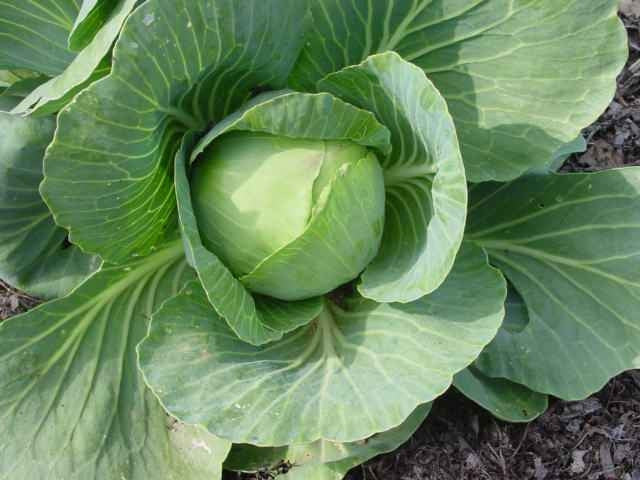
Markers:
(317, 116)
(424, 177)
(91, 18)
(34, 255)
(577, 145)
(6, 103)
(91, 64)
(21, 88)
(74, 406)
(516, 316)
(560, 156)
(568, 244)
(504, 399)
(324, 455)
(294, 390)
(176, 65)
(521, 77)
(201, 452)
(33, 35)
(7, 78)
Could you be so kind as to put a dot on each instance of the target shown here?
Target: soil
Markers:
(596, 439)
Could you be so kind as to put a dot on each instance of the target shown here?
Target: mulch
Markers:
(596, 439)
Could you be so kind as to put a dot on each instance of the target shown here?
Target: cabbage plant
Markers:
(271, 233)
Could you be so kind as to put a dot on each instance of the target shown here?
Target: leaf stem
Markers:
(183, 117)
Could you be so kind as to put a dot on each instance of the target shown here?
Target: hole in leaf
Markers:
(66, 243)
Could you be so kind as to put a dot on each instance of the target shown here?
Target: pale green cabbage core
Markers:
(254, 194)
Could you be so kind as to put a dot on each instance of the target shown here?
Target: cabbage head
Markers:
(257, 196)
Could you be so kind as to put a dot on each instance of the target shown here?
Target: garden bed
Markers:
(598, 438)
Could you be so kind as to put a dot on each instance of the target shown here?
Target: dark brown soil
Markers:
(596, 439)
